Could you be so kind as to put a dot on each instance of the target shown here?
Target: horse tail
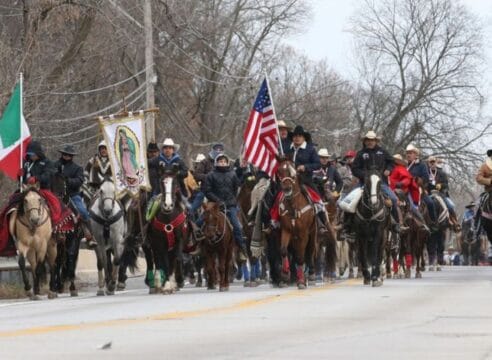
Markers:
(130, 254)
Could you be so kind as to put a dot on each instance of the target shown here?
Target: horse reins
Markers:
(30, 225)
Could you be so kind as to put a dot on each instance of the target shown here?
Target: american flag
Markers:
(261, 134)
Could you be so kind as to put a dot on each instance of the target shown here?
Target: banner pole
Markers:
(21, 128)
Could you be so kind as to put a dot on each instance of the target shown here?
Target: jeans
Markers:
(80, 206)
(430, 207)
(237, 229)
(449, 204)
(394, 211)
(197, 201)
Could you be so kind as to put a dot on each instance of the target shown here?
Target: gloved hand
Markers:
(32, 180)
(335, 194)
(20, 173)
(438, 187)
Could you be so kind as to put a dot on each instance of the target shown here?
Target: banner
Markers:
(126, 143)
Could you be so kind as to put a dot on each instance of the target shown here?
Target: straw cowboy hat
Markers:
(68, 149)
(412, 148)
(399, 159)
(323, 152)
(170, 142)
(282, 125)
(371, 135)
(199, 157)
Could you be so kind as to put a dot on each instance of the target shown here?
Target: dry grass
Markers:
(12, 291)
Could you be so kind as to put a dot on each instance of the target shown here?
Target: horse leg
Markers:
(51, 255)
(363, 261)
(72, 259)
(223, 280)
(331, 258)
(58, 268)
(432, 250)
(149, 260)
(274, 258)
(25, 277)
(284, 253)
(101, 268)
(210, 269)
(440, 250)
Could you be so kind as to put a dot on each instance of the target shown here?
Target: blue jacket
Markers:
(419, 170)
(306, 155)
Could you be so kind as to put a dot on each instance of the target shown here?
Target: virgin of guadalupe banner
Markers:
(126, 143)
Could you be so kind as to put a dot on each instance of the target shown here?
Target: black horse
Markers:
(470, 244)
(371, 218)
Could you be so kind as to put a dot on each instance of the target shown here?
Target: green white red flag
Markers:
(14, 135)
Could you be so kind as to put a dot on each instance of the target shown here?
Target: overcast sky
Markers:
(326, 36)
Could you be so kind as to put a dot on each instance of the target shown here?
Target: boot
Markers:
(90, 241)
(321, 222)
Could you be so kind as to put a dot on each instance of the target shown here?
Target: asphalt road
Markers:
(445, 315)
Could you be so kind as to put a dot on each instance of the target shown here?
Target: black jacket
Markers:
(309, 158)
(168, 164)
(328, 175)
(221, 186)
(440, 178)
(376, 158)
(74, 175)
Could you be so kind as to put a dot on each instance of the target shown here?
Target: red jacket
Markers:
(400, 175)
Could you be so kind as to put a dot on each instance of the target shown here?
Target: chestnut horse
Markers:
(297, 224)
(217, 245)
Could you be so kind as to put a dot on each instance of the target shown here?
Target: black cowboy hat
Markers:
(68, 149)
(489, 152)
(299, 130)
(471, 205)
(152, 146)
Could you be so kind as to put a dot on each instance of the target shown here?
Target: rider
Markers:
(484, 177)
(400, 178)
(345, 171)
(37, 168)
(221, 186)
(327, 174)
(420, 173)
(285, 135)
(438, 180)
(97, 169)
(373, 156)
(201, 170)
(170, 158)
(74, 178)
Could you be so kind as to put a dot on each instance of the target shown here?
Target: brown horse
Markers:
(217, 246)
(297, 224)
(336, 253)
(31, 228)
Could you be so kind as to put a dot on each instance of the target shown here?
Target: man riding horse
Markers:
(97, 169)
(484, 177)
(327, 174)
(373, 157)
(74, 178)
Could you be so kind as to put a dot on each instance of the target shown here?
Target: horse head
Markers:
(32, 206)
(107, 198)
(169, 186)
(372, 187)
(287, 174)
(213, 221)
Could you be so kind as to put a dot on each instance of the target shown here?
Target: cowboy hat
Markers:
(199, 158)
(471, 205)
(152, 146)
(371, 135)
(431, 158)
(282, 125)
(102, 143)
(68, 149)
(412, 148)
(489, 152)
(399, 159)
(299, 130)
(323, 152)
(170, 142)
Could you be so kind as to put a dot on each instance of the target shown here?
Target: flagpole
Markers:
(274, 115)
(21, 78)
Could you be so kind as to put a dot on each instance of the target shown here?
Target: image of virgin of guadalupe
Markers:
(128, 158)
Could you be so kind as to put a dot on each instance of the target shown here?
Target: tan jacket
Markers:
(484, 176)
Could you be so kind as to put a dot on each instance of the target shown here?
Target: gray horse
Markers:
(109, 228)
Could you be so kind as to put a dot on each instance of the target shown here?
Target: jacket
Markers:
(484, 176)
(420, 173)
(439, 177)
(221, 186)
(328, 175)
(96, 169)
(305, 155)
(42, 169)
(168, 164)
(202, 169)
(400, 177)
(376, 158)
(73, 174)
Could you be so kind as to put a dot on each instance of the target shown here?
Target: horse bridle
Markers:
(216, 239)
(39, 209)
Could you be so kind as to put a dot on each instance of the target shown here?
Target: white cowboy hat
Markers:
(170, 142)
(102, 143)
(199, 157)
(399, 159)
(323, 152)
(371, 135)
(282, 124)
(412, 148)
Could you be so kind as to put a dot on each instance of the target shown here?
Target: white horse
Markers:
(109, 228)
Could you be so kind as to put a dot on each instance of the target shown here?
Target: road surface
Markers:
(445, 315)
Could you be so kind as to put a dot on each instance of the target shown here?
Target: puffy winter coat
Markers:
(73, 173)
(221, 186)
(401, 178)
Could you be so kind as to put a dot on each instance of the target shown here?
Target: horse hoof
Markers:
(438, 268)
(52, 295)
(418, 276)
(198, 284)
(120, 286)
(74, 293)
(35, 297)
(301, 286)
(367, 281)
(282, 285)
(152, 290)
(377, 283)
(110, 292)
(247, 284)
(100, 293)
(223, 288)
(431, 268)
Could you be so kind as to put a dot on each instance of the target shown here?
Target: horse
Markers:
(469, 244)
(67, 236)
(435, 245)
(297, 224)
(31, 228)
(336, 252)
(371, 219)
(108, 227)
(217, 245)
(485, 216)
(168, 232)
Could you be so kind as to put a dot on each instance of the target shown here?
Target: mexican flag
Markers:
(14, 135)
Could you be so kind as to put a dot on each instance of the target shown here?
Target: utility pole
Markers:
(150, 77)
